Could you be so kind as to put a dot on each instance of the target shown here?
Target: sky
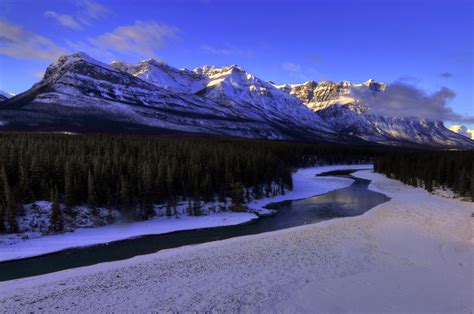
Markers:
(425, 46)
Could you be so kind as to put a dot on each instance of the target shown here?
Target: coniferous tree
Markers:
(91, 193)
(56, 218)
(69, 191)
(237, 197)
(24, 188)
(472, 182)
(10, 204)
(196, 205)
(124, 194)
(2, 218)
(147, 192)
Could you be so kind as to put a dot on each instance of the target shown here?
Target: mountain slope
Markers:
(344, 106)
(4, 96)
(239, 92)
(79, 93)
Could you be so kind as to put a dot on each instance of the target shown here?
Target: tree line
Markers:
(429, 169)
(131, 173)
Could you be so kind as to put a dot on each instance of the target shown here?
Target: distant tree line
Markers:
(131, 173)
(428, 169)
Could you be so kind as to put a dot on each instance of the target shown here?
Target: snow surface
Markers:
(412, 254)
(5, 95)
(90, 236)
(306, 184)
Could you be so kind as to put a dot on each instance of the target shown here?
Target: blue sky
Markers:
(427, 44)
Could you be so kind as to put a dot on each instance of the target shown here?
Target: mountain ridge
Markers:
(82, 93)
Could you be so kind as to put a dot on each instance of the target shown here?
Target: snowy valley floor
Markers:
(411, 254)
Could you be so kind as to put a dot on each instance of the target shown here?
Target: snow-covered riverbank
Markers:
(305, 185)
(411, 254)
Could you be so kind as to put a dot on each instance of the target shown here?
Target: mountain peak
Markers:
(212, 70)
(75, 57)
(5, 95)
(369, 81)
(67, 60)
(154, 61)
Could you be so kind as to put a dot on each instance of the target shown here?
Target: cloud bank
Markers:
(463, 130)
(142, 39)
(227, 50)
(404, 100)
(87, 12)
(19, 43)
(64, 19)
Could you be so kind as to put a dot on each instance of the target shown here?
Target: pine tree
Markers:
(10, 204)
(206, 188)
(56, 218)
(124, 195)
(168, 212)
(196, 206)
(472, 182)
(2, 218)
(69, 192)
(24, 188)
(147, 192)
(91, 193)
(237, 196)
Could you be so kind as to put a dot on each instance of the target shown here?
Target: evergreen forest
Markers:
(131, 173)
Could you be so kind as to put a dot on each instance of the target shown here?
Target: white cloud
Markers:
(463, 130)
(401, 99)
(292, 67)
(313, 58)
(141, 39)
(38, 74)
(64, 19)
(298, 72)
(19, 43)
(91, 11)
(87, 12)
(227, 50)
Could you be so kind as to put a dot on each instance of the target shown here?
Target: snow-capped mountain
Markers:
(161, 74)
(4, 95)
(345, 107)
(79, 93)
(238, 91)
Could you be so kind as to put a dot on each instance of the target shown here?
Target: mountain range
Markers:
(81, 94)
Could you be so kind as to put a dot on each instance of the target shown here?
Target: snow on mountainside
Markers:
(79, 93)
(4, 95)
(246, 94)
(235, 89)
(161, 74)
(344, 106)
